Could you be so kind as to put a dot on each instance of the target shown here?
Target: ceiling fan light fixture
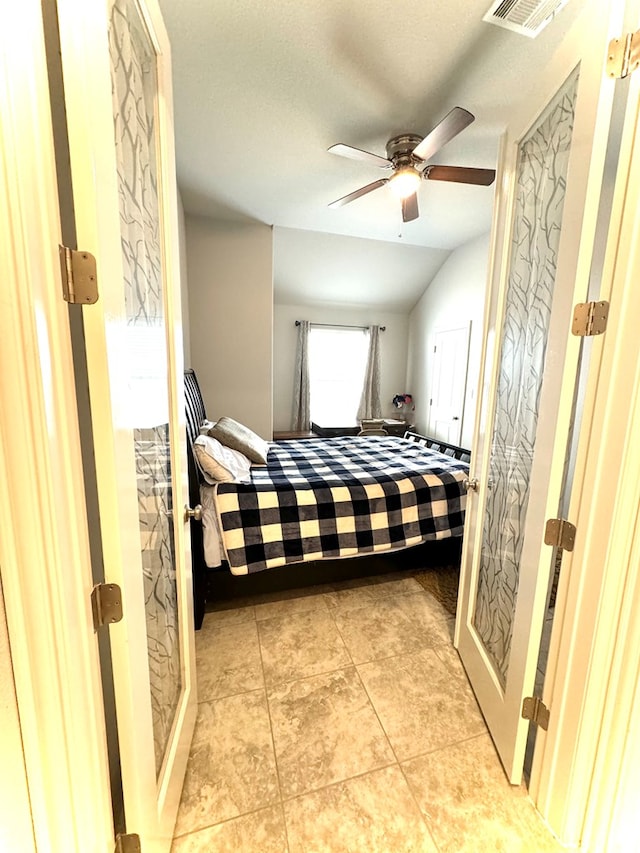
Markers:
(407, 151)
(405, 182)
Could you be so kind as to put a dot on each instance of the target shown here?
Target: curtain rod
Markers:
(339, 326)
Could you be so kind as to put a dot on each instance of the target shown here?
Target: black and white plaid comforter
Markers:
(340, 497)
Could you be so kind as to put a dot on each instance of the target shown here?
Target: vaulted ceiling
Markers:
(262, 88)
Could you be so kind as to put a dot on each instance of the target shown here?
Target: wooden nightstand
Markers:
(292, 435)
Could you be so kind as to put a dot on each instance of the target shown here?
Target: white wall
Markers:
(230, 274)
(393, 351)
(455, 296)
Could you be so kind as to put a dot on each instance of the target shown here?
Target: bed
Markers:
(322, 499)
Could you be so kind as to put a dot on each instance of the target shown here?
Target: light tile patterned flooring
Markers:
(340, 719)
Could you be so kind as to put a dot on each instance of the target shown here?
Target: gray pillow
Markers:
(239, 437)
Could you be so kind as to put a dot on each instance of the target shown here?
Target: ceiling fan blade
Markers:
(461, 175)
(357, 154)
(450, 126)
(410, 208)
(357, 193)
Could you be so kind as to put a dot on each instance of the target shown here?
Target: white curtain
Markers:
(301, 393)
(370, 400)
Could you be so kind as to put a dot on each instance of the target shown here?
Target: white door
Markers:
(550, 190)
(52, 656)
(117, 80)
(449, 383)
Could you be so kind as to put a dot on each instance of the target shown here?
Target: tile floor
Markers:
(340, 719)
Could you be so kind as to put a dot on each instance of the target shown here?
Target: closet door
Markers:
(550, 187)
(449, 383)
(117, 78)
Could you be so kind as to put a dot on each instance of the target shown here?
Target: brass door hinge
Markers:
(129, 843)
(79, 276)
(534, 709)
(560, 533)
(590, 318)
(623, 55)
(106, 604)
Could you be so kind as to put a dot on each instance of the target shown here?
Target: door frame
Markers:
(46, 570)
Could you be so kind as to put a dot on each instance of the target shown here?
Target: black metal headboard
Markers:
(442, 446)
(194, 405)
(195, 414)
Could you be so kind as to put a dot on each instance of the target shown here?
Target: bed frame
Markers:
(441, 446)
(195, 414)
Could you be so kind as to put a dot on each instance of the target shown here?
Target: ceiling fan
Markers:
(407, 156)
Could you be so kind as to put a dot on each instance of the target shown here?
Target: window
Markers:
(337, 362)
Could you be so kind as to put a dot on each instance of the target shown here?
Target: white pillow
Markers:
(220, 464)
(205, 426)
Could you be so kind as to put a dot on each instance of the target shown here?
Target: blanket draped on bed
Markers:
(337, 498)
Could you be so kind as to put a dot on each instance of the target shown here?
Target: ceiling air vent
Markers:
(527, 17)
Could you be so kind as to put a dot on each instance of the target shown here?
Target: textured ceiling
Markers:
(263, 87)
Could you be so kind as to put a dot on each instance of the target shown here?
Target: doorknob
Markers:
(195, 513)
(471, 485)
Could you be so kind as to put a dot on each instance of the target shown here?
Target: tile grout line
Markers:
(331, 611)
(226, 820)
(398, 763)
(273, 741)
(339, 782)
(422, 815)
(266, 692)
(351, 665)
(213, 700)
(240, 691)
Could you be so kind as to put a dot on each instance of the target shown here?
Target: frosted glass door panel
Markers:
(540, 190)
(145, 348)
